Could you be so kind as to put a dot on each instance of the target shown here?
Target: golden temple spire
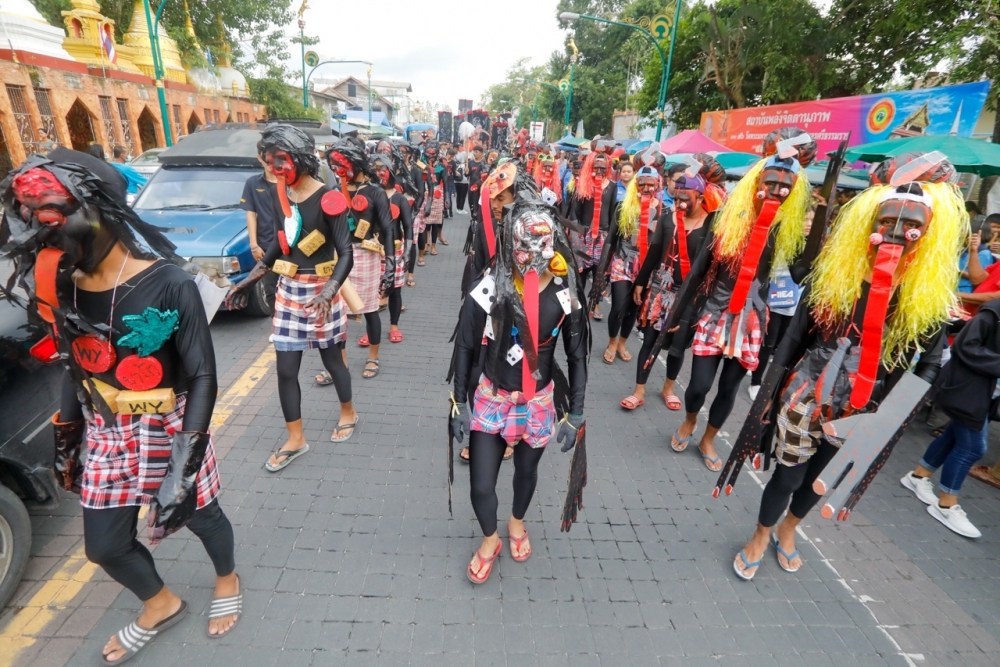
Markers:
(189, 27)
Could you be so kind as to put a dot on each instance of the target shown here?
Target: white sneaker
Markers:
(922, 487)
(955, 518)
(753, 390)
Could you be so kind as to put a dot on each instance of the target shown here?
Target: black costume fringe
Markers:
(577, 480)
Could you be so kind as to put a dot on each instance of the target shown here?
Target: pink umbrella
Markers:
(691, 141)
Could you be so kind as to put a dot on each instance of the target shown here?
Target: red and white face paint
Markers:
(342, 167)
(43, 198)
(283, 166)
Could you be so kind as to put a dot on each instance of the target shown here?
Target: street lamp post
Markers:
(665, 63)
(369, 97)
(572, 75)
(302, 39)
(154, 44)
(558, 89)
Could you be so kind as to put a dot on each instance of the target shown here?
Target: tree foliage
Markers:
(275, 95)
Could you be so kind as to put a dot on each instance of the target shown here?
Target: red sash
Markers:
(874, 323)
(751, 257)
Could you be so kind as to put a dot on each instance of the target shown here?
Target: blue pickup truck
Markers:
(195, 198)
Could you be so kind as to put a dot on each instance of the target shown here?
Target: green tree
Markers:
(512, 94)
(280, 103)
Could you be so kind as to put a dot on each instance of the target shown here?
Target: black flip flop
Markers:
(326, 381)
(290, 455)
(133, 638)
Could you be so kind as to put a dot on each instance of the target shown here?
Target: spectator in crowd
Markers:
(976, 217)
(625, 174)
(992, 227)
(135, 180)
(258, 200)
(97, 151)
(45, 144)
(966, 385)
(973, 261)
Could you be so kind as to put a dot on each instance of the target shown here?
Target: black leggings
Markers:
(435, 232)
(590, 272)
(289, 392)
(777, 325)
(422, 241)
(395, 306)
(109, 537)
(795, 483)
(703, 371)
(373, 327)
(624, 309)
(461, 190)
(674, 364)
(485, 456)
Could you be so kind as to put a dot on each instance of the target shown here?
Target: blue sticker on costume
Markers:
(150, 330)
(555, 332)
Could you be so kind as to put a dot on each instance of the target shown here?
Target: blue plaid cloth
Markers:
(295, 330)
(507, 413)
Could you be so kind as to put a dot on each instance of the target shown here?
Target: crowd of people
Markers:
(838, 307)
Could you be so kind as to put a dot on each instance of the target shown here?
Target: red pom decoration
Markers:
(359, 203)
(334, 203)
(394, 210)
(139, 373)
(438, 193)
(95, 355)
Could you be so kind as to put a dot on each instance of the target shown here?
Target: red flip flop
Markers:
(395, 336)
(673, 403)
(363, 341)
(488, 562)
(631, 402)
(515, 545)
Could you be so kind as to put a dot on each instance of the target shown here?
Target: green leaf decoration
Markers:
(150, 330)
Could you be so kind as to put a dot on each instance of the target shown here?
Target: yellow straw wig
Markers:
(926, 289)
(734, 223)
(628, 216)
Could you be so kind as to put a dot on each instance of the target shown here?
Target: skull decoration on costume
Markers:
(534, 241)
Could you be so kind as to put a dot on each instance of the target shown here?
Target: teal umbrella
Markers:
(734, 160)
(968, 155)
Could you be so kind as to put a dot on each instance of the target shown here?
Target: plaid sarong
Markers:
(436, 216)
(732, 336)
(127, 460)
(507, 413)
(588, 249)
(659, 299)
(366, 275)
(624, 268)
(399, 278)
(419, 223)
(295, 330)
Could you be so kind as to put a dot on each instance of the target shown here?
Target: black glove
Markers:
(69, 441)
(568, 427)
(320, 304)
(176, 500)
(460, 420)
(239, 293)
(389, 275)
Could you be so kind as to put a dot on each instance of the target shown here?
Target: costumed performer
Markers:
(593, 207)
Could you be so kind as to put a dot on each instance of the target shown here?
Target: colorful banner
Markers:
(866, 118)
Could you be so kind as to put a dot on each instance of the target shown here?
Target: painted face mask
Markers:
(283, 166)
(534, 241)
(902, 216)
(384, 148)
(342, 166)
(600, 167)
(384, 176)
(777, 179)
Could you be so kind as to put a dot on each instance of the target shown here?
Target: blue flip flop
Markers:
(682, 443)
(710, 459)
(746, 566)
(788, 557)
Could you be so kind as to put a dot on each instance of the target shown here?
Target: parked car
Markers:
(29, 396)
(147, 163)
(195, 199)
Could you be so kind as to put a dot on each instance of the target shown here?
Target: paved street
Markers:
(349, 556)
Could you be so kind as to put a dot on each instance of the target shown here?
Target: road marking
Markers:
(29, 623)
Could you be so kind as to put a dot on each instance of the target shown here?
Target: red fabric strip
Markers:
(644, 228)
(484, 207)
(46, 268)
(871, 331)
(751, 257)
(595, 223)
(531, 312)
(286, 208)
(682, 243)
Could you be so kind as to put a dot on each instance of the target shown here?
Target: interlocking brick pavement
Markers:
(349, 557)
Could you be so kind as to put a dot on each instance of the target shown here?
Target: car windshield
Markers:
(147, 157)
(203, 189)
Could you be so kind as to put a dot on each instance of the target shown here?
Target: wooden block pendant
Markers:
(154, 401)
(107, 392)
(312, 242)
(326, 268)
(285, 268)
(362, 229)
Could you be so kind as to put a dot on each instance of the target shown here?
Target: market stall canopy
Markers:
(574, 142)
(968, 155)
(691, 141)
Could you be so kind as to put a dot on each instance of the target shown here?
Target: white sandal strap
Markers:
(226, 606)
(133, 637)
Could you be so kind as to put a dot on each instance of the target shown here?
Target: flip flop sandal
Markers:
(464, 459)
(624, 356)
(324, 379)
(222, 607)
(672, 402)
(396, 336)
(515, 544)
(788, 557)
(434, 251)
(478, 579)
(711, 459)
(363, 341)
(421, 262)
(133, 638)
(343, 427)
(598, 317)
(746, 566)
(411, 283)
(508, 457)
(373, 371)
(289, 454)
(681, 443)
(442, 241)
(604, 358)
(632, 402)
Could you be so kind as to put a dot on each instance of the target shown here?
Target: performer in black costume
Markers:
(370, 225)
(140, 381)
(402, 237)
(593, 207)
(514, 317)
(881, 291)
(416, 200)
(313, 257)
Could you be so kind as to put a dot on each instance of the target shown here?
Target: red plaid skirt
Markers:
(508, 414)
(127, 460)
(436, 215)
(659, 299)
(732, 336)
(366, 275)
(588, 249)
(419, 223)
(622, 269)
(399, 278)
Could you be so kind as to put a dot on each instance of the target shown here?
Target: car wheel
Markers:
(261, 300)
(15, 542)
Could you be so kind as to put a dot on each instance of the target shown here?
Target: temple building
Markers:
(80, 86)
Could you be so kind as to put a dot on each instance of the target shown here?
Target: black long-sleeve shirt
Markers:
(551, 325)
(187, 356)
(376, 211)
(334, 228)
(402, 224)
(582, 210)
(663, 247)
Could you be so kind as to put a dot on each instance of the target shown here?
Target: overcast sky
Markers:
(447, 50)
